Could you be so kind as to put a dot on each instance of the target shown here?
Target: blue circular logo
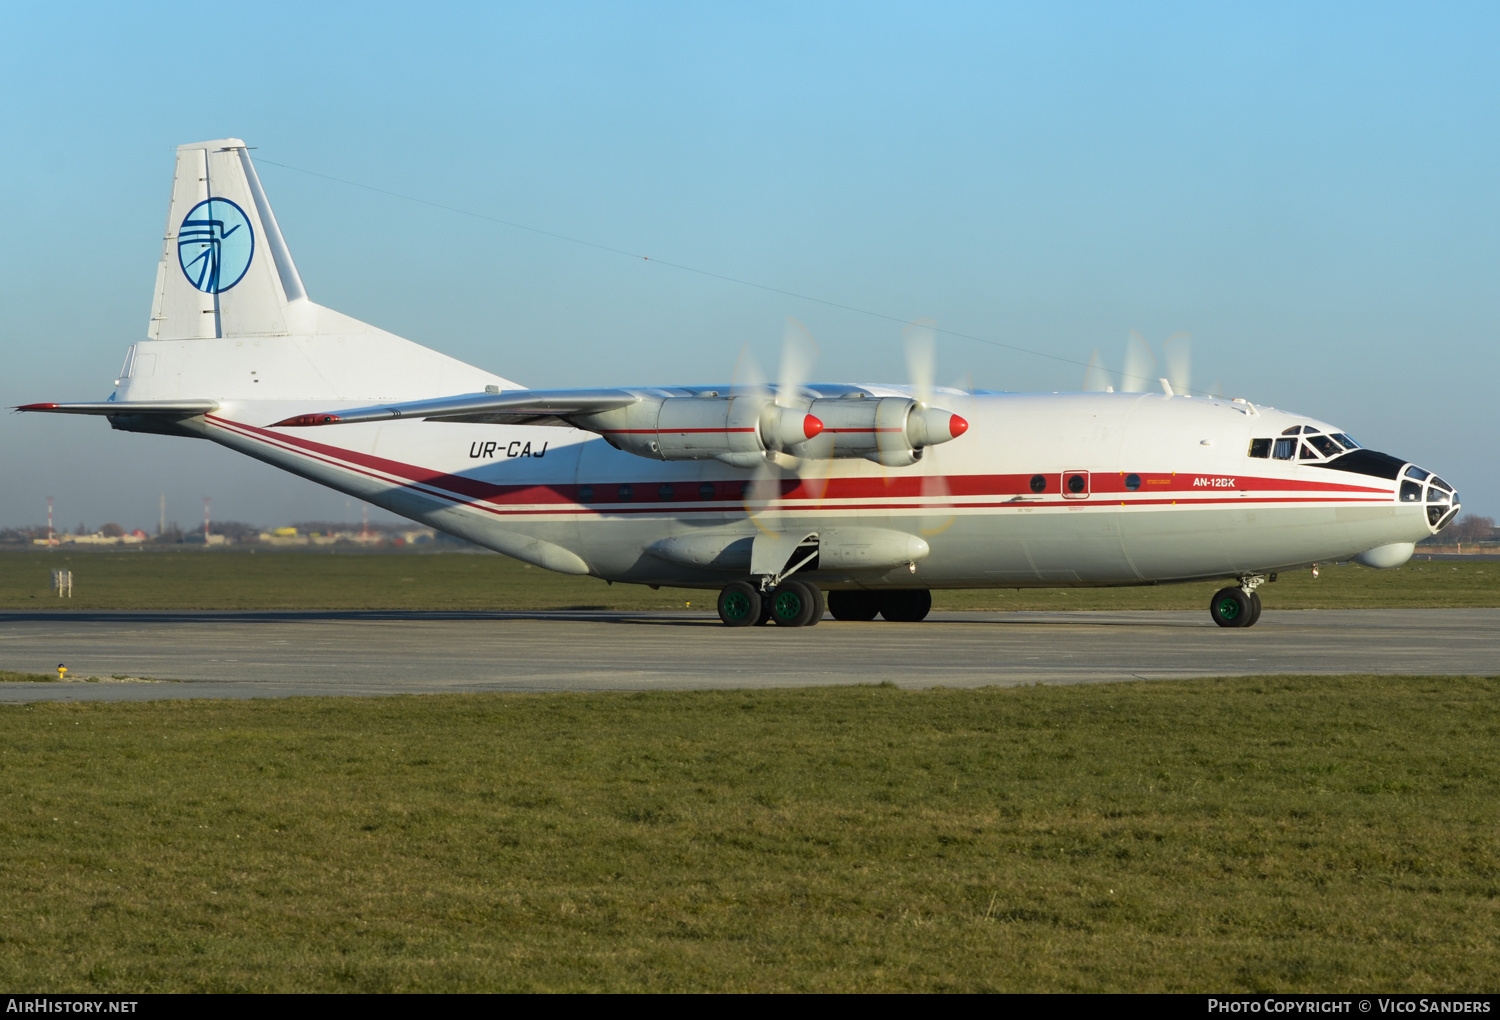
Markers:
(215, 244)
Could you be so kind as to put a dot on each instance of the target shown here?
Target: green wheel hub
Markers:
(787, 605)
(1228, 609)
(736, 605)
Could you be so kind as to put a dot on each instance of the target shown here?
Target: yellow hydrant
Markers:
(61, 670)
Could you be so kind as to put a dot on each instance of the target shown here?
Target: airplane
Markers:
(792, 500)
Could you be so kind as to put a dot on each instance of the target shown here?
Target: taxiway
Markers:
(286, 654)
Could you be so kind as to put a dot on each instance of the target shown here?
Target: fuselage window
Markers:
(625, 493)
(1075, 483)
(1411, 492)
(1132, 482)
(1260, 448)
(585, 494)
(664, 491)
(1038, 483)
(1286, 449)
(1308, 453)
(1327, 447)
(1418, 473)
(706, 490)
(1348, 443)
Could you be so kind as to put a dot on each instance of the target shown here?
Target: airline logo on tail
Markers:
(215, 245)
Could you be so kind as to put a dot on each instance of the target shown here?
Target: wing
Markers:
(518, 407)
(115, 408)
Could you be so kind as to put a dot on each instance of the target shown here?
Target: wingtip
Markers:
(38, 407)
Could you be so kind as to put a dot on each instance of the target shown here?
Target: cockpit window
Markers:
(1436, 495)
(1348, 443)
(1308, 453)
(1417, 473)
(1411, 492)
(1286, 449)
(1260, 448)
(1295, 430)
(1327, 447)
(1440, 483)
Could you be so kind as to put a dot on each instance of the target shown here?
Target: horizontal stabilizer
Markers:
(515, 407)
(176, 408)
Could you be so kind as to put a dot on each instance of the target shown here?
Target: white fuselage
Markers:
(1168, 492)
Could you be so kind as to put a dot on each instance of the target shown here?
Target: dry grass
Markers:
(1289, 833)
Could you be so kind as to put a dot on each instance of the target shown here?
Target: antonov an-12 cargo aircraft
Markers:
(791, 500)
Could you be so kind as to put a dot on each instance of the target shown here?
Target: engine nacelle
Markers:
(888, 430)
(737, 430)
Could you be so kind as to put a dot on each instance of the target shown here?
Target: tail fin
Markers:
(226, 274)
(225, 269)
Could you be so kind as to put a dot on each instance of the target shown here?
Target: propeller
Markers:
(799, 353)
(1177, 352)
(1140, 365)
(1096, 377)
(1143, 371)
(920, 338)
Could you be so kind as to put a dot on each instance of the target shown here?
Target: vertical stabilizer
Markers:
(225, 269)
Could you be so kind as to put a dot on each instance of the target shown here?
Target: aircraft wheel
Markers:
(854, 605)
(910, 605)
(820, 603)
(1231, 607)
(1254, 609)
(792, 604)
(739, 605)
(765, 610)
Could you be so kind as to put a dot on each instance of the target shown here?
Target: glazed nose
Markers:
(1418, 485)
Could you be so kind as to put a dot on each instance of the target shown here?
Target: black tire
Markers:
(739, 605)
(792, 604)
(860, 606)
(1231, 607)
(1254, 609)
(820, 603)
(765, 611)
(910, 605)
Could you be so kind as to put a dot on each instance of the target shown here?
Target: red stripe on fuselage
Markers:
(823, 492)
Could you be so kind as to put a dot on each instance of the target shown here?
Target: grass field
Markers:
(1329, 833)
(236, 579)
(9, 676)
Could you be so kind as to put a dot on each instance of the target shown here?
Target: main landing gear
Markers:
(1237, 607)
(789, 604)
(800, 604)
(909, 605)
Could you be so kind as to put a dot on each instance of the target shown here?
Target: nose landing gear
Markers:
(1237, 607)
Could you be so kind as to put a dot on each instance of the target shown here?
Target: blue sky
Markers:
(1309, 190)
